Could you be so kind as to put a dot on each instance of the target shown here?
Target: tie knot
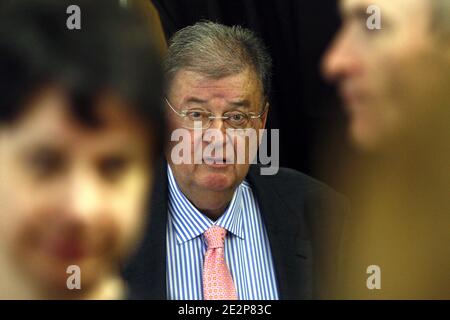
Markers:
(215, 237)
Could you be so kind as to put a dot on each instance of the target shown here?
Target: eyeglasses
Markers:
(200, 118)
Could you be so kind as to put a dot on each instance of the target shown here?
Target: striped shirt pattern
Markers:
(247, 248)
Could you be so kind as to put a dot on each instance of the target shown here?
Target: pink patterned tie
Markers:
(217, 281)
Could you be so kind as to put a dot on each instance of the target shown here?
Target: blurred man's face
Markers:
(394, 81)
(191, 90)
(71, 195)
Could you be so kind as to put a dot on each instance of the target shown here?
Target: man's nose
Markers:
(83, 196)
(218, 124)
(341, 59)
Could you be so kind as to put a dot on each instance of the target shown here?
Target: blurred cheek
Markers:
(22, 220)
(378, 89)
(17, 202)
(407, 86)
(129, 209)
(397, 92)
(31, 216)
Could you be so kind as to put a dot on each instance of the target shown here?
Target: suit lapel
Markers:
(291, 250)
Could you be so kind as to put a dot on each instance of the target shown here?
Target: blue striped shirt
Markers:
(247, 249)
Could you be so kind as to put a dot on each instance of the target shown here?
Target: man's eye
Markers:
(45, 164)
(237, 117)
(195, 115)
(113, 168)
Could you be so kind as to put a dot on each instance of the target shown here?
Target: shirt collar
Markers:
(190, 223)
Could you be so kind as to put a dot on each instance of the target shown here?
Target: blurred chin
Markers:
(50, 275)
(379, 132)
(364, 136)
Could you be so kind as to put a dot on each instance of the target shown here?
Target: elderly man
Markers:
(220, 229)
(395, 83)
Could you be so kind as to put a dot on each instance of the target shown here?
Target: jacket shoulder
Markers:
(308, 197)
(292, 182)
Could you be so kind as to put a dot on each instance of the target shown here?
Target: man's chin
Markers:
(217, 177)
(370, 141)
(52, 274)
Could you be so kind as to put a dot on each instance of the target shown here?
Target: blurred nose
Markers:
(341, 59)
(83, 196)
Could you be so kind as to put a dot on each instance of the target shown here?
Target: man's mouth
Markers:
(65, 250)
(352, 97)
(217, 162)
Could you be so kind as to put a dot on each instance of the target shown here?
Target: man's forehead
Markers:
(78, 141)
(51, 118)
(390, 7)
(191, 86)
(198, 79)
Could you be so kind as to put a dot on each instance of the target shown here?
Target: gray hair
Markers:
(217, 51)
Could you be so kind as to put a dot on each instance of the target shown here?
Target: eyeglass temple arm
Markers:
(266, 106)
(179, 113)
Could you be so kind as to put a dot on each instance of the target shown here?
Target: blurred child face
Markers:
(70, 194)
(394, 81)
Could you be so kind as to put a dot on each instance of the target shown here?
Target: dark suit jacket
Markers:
(303, 218)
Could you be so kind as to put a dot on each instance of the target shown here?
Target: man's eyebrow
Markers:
(120, 152)
(29, 151)
(240, 104)
(39, 145)
(195, 100)
(237, 104)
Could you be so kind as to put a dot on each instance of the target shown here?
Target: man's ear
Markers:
(264, 116)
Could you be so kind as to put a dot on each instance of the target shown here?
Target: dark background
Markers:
(312, 123)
